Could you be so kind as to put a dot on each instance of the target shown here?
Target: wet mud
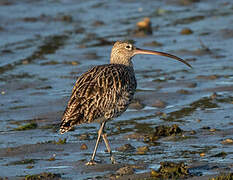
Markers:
(180, 124)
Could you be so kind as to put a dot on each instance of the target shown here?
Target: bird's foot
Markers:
(113, 160)
(91, 163)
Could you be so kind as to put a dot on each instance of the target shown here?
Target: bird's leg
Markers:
(108, 147)
(92, 162)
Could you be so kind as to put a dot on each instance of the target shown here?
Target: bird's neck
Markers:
(121, 60)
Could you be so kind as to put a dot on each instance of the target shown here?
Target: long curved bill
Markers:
(143, 51)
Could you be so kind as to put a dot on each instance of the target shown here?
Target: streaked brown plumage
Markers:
(104, 92)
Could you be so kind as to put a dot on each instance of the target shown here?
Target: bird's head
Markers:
(122, 53)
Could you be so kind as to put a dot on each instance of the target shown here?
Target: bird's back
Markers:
(100, 94)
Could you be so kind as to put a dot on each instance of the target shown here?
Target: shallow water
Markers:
(45, 45)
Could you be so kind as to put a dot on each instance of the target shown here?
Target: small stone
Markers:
(97, 23)
(183, 91)
(52, 158)
(212, 130)
(74, 63)
(208, 77)
(154, 173)
(227, 141)
(214, 95)
(193, 132)
(28, 167)
(206, 127)
(134, 136)
(25, 62)
(159, 104)
(144, 27)
(84, 137)
(136, 104)
(153, 44)
(125, 171)
(83, 147)
(66, 18)
(186, 31)
(159, 113)
(192, 85)
(145, 23)
(142, 149)
(202, 154)
(126, 148)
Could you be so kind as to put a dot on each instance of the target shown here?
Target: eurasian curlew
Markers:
(105, 92)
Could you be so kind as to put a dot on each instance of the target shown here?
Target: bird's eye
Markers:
(129, 47)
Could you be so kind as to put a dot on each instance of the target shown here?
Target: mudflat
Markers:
(180, 124)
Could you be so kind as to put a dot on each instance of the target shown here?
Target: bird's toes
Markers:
(114, 161)
(91, 163)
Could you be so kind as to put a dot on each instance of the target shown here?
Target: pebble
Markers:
(202, 154)
(127, 170)
(144, 27)
(134, 136)
(126, 148)
(136, 104)
(214, 95)
(83, 147)
(212, 130)
(192, 85)
(183, 91)
(159, 104)
(153, 44)
(142, 149)
(227, 141)
(193, 132)
(186, 31)
(84, 137)
(208, 77)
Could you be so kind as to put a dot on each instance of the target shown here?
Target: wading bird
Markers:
(105, 92)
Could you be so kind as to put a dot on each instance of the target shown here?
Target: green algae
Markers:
(126, 148)
(162, 131)
(27, 126)
(53, 62)
(153, 44)
(23, 75)
(171, 170)
(5, 178)
(43, 176)
(50, 63)
(58, 142)
(22, 162)
(49, 46)
(203, 103)
(189, 20)
(221, 154)
(134, 126)
(228, 176)
(228, 99)
(18, 107)
(182, 138)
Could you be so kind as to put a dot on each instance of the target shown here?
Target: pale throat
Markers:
(121, 60)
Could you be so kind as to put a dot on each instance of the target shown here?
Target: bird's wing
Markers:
(96, 94)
